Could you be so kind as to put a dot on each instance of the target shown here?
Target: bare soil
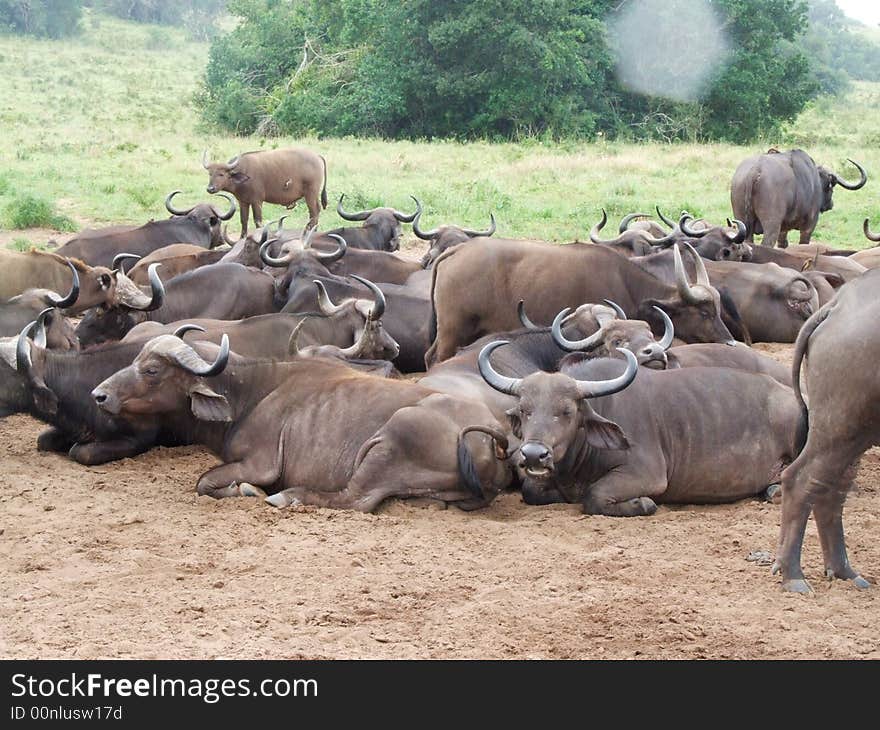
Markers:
(124, 560)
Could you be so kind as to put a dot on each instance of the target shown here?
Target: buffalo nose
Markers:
(212, 189)
(534, 453)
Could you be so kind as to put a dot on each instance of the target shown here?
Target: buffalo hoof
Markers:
(249, 490)
(797, 585)
(773, 493)
(760, 557)
(283, 499)
(855, 579)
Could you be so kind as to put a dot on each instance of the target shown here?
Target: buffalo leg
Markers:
(806, 234)
(53, 439)
(828, 512)
(771, 235)
(782, 241)
(244, 213)
(314, 212)
(100, 452)
(621, 495)
(258, 214)
(227, 480)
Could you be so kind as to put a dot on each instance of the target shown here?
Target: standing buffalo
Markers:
(271, 176)
(841, 344)
(781, 191)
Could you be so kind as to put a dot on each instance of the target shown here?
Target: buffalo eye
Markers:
(617, 343)
(705, 314)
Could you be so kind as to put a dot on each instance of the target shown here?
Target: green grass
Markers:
(104, 126)
(29, 211)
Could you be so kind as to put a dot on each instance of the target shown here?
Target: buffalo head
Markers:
(828, 180)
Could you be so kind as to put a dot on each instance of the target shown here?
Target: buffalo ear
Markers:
(44, 398)
(600, 432)
(207, 405)
(239, 177)
(515, 422)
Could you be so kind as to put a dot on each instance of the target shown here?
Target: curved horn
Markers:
(491, 376)
(224, 234)
(663, 218)
(403, 217)
(424, 235)
(329, 258)
(586, 344)
(863, 178)
(184, 328)
(205, 162)
(629, 218)
(687, 230)
(264, 252)
(866, 228)
(378, 297)
(668, 332)
(293, 340)
(598, 388)
(488, 232)
(616, 307)
(523, 317)
(594, 231)
(681, 280)
(40, 335)
(359, 216)
(325, 304)
(70, 299)
(23, 349)
(158, 290)
(120, 257)
(233, 162)
(171, 209)
(702, 274)
(190, 361)
(231, 212)
(741, 231)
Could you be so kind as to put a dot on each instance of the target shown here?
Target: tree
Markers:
(44, 18)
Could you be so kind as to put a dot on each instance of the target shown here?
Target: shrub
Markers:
(29, 211)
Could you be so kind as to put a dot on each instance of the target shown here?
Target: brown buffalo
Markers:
(271, 176)
(472, 284)
(377, 438)
(782, 191)
(841, 346)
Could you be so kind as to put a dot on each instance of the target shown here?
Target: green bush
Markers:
(497, 70)
(29, 211)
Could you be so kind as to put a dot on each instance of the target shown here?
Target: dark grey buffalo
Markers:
(782, 191)
(199, 225)
(664, 436)
(841, 348)
(445, 237)
(46, 306)
(380, 231)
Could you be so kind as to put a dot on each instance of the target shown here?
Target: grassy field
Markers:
(103, 126)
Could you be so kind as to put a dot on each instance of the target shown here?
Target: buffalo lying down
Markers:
(670, 436)
(375, 438)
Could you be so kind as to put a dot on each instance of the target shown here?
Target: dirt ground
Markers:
(124, 560)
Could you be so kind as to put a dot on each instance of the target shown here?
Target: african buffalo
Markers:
(45, 270)
(772, 302)
(177, 258)
(199, 225)
(271, 176)
(472, 283)
(667, 435)
(841, 346)
(741, 357)
(781, 191)
(445, 237)
(381, 229)
(378, 438)
(43, 306)
(631, 241)
(218, 291)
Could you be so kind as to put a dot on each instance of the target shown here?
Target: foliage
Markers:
(42, 18)
(498, 69)
(29, 211)
(838, 49)
(197, 16)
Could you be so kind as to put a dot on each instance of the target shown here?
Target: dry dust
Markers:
(124, 560)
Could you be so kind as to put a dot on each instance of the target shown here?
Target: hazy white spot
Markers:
(670, 49)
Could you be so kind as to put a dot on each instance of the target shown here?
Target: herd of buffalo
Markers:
(324, 368)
